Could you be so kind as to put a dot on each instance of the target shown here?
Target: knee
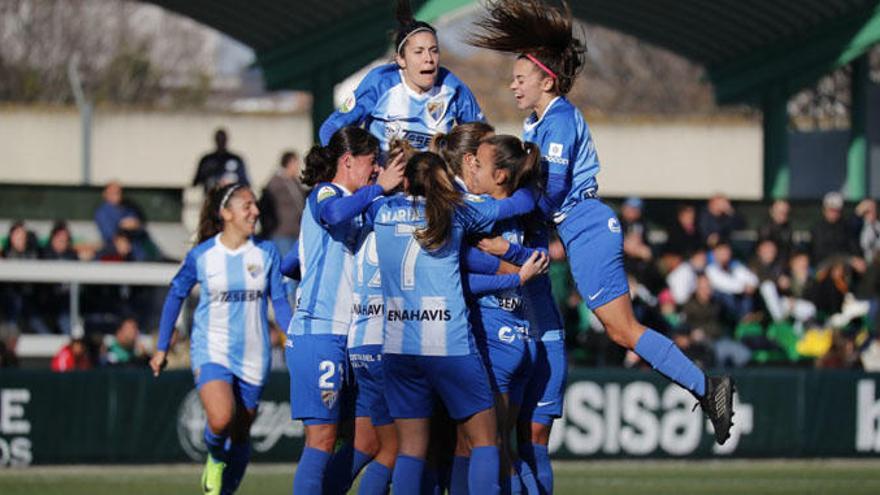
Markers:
(220, 422)
(540, 434)
(321, 437)
(626, 333)
(368, 444)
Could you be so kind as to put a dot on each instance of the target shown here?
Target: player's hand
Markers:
(392, 175)
(496, 246)
(536, 265)
(158, 362)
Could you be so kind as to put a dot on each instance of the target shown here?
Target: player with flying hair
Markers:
(230, 348)
(411, 98)
(341, 174)
(549, 58)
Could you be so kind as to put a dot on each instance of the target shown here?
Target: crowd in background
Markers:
(728, 296)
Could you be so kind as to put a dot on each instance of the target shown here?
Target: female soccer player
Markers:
(549, 59)
(316, 354)
(428, 347)
(412, 98)
(230, 335)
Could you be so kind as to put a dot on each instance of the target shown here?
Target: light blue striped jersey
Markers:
(545, 321)
(566, 148)
(509, 300)
(326, 255)
(388, 108)
(231, 326)
(368, 306)
(425, 310)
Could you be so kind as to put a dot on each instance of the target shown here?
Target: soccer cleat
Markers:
(212, 476)
(717, 403)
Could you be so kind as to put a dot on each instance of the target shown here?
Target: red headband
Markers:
(540, 65)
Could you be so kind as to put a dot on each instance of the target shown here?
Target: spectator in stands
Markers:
(684, 237)
(778, 229)
(20, 299)
(831, 236)
(681, 276)
(220, 167)
(54, 299)
(115, 213)
(718, 220)
(71, 357)
(869, 236)
(703, 314)
(734, 285)
(20, 243)
(124, 348)
(769, 268)
(631, 218)
(8, 342)
(282, 204)
(119, 249)
(832, 285)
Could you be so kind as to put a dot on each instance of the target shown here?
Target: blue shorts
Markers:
(317, 365)
(546, 389)
(460, 382)
(594, 243)
(369, 376)
(506, 356)
(244, 392)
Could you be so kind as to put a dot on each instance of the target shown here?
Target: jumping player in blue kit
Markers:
(428, 347)
(549, 58)
(413, 98)
(316, 349)
(230, 335)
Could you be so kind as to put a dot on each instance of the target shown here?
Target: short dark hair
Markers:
(287, 156)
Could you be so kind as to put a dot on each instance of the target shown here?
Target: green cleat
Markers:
(212, 476)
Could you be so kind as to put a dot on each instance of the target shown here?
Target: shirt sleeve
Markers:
(518, 254)
(181, 284)
(477, 261)
(290, 263)
(355, 109)
(334, 209)
(480, 284)
(468, 109)
(558, 152)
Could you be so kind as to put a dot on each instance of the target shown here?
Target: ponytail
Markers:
(462, 139)
(520, 159)
(321, 161)
(429, 176)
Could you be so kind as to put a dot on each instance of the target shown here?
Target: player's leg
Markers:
(377, 474)
(238, 447)
(461, 460)
(411, 404)
(371, 380)
(215, 392)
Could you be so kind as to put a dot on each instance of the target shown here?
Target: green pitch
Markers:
(772, 477)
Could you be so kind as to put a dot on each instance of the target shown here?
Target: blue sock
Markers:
(458, 484)
(515, 485)
(430, 481)
(543, 468)
(310, 472)
(407, 476)
(343, 468)
(238, 455)
(215, 444)
(483, 472)
(375, 479)
(665, 357)
(527, 477)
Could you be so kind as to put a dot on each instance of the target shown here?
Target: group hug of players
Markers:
(424, 309)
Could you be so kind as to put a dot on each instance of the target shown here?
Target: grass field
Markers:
(776, 477)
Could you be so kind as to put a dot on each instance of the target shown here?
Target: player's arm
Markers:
(335, 209)
(467, 107)
(557, 154)
(355, 109)
(181, 284)
(515, 254)
(283, 312)
(479, 213)
(290, 263)
(480, 284)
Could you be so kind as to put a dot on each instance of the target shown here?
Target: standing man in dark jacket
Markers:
(282, 204)
(220, 167)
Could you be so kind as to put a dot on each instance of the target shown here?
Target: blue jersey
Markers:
(326, 261)
(545, 322)
(368, 307)
(425, 310)
(568, 155)
(388, 108)
(506, 304)
(230, 325)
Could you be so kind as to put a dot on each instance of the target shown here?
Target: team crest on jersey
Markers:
(436, 109)
(614, 225)
(348, 104)
(325, 193)
(473, 198)
(254, 269)
(555, 150)
(328, 397)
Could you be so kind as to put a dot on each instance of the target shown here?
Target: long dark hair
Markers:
(428, 176)
(407, 25)
(462, 139)
(321, 160)
(533, 28)
(210, 221)
(520, 159)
